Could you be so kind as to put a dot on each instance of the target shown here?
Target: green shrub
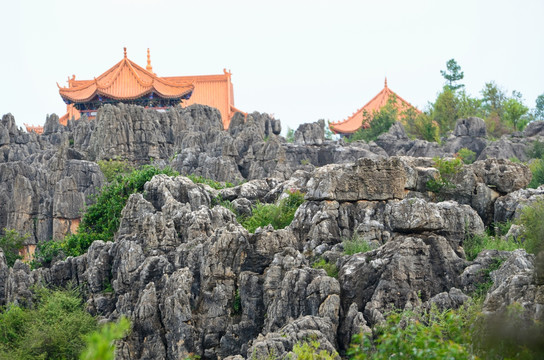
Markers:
(537, 150)
(331, 269)
(45, 252)
(290, 138)
(308, 350)
(483, 287)
(430, 334)
(356, 245)
(537, 168)
(466, 155)
(55, 328)
(237, 303)
(533, 226)
(447, 169)
(112, 168)
(11, 243)
(279, 216)
(101, 343)
(197, 179)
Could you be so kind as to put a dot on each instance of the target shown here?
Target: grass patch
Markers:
(447, 169)
(112, 168)
(197, 179)
(279, 216)
(475, 244)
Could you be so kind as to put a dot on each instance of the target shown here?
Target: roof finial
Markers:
(125, 50)
(149, 67)
(385, 84)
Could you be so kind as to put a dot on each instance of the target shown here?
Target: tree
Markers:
(11, 243)
(445, 110)
(539, 109)
(380, 121)
(492, 99)
(453, 74)
(515, 113)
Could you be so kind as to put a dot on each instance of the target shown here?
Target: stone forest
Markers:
(146, 229)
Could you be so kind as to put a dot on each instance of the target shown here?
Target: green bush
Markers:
(447, 169)
(331, 269)
(11, 243)
(290, 137)
(466, 155)
(55, 328)
(45, 252)
(101, 343)
(308, 350)
(112, 168)
(533, 227)
(279, 216)
(356, 245)
(430, 334)
(537, 168)
(537, 150)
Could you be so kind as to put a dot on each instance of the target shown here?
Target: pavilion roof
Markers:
(357, 120)
(124, 81)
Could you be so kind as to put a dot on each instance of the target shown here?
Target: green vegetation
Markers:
(379, 122)
(329, 268)
(197, 179)
(537, 168)
(447, 169)
(474, 244)
(11, 242)
(452, 75)
(533, 227)
(483, 287)
(290, 138)
(279, 216)
(113, 167)
(54, 328)
(537, 150)
(101, 343)
(307, 350)
(356, 245)
(329, 135)
(237, 303)
(459, 334)
(101, 219)
(466, 155)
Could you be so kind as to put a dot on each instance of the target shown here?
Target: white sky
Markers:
(300, 60)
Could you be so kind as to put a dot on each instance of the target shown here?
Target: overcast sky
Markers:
(299, 60)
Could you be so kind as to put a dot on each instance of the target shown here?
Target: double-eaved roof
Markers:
(124, 81)
(127, 81)
(357, 120)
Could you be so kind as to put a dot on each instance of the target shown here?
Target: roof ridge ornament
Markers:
(149, 67)
(125, 51)
(385, 83)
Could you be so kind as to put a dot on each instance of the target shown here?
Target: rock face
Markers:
(194, 281)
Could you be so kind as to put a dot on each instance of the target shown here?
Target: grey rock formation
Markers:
(310, 134)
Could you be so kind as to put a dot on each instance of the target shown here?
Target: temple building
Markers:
(357, 120)
(129, 83)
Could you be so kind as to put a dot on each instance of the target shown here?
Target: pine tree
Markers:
(453, 74)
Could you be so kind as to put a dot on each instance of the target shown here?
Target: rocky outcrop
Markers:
(45, 195)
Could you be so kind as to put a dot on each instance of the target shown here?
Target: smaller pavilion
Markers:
(357, 120)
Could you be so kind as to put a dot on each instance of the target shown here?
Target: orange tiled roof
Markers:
(37, 129)
(124, 81)
(355, 121)
(212, 90)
